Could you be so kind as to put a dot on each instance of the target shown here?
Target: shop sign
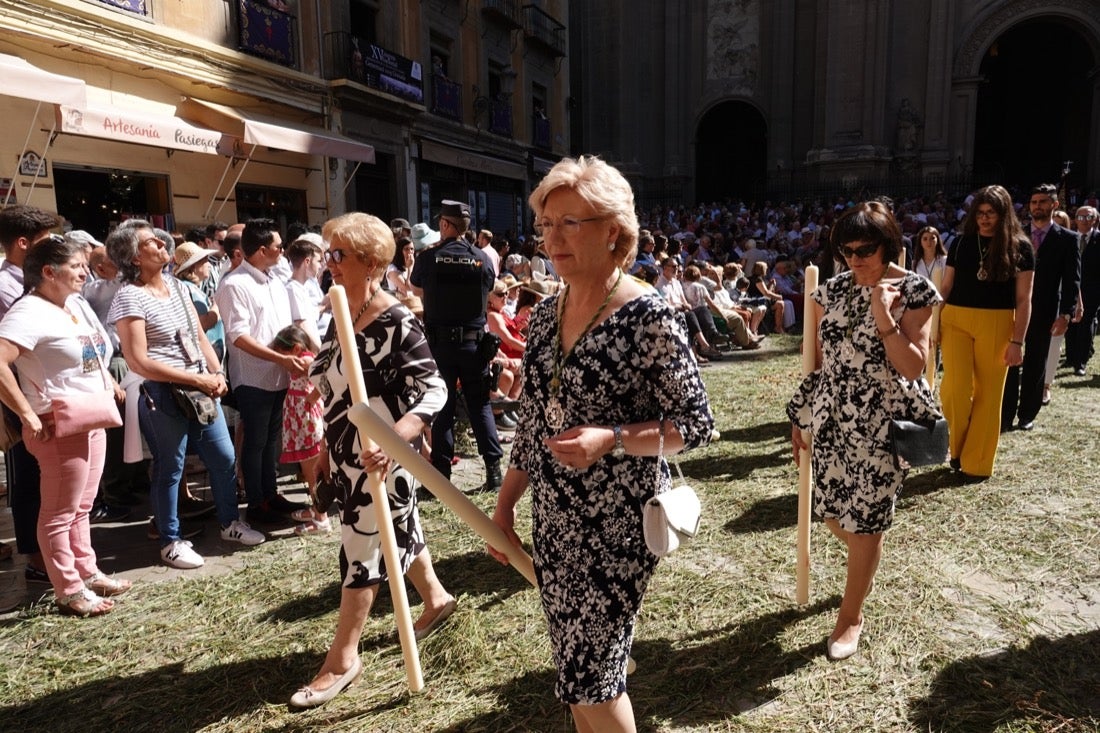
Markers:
(162, 131)
(387, 71)
(32, 164)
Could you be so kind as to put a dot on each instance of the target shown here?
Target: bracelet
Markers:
(894, 329)
(1017, 343)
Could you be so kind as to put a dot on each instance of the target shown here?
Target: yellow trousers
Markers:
(973, 342)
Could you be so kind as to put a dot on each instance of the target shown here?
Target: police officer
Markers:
(454, 280)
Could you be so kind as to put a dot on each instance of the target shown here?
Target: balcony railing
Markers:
(137, 7)
(446, 98)
(543, 29)
(268, 33)
(351, 57)
(500, 117)
(506, 11)
(541, 137)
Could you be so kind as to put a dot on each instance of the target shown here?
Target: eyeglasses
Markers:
(985, 214)
(335, 255)
(1086, 217)
(862, 252)
(566, 226)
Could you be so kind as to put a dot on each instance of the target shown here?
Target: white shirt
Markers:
(494, 257)
(61, 357)
(252, 303)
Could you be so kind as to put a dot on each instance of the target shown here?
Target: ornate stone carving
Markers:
(733, 44)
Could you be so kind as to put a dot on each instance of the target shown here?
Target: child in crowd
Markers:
(303, 428)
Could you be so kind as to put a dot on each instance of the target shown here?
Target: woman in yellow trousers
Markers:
(987, 288)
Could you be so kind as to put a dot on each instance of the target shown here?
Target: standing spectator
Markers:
(21, 227)
(454, 279)
(931, 256)
(308, 308)
(593, 434)
(398, 271)
(485, 242)
(60, 349)
(255, 307)
(160, 334)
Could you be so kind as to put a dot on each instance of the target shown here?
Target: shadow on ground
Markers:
(1052, 683)
(709, 677)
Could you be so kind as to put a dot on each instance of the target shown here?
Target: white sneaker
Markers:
(180, 555)
(238, 531)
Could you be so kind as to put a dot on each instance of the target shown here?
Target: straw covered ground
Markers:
(985, 616)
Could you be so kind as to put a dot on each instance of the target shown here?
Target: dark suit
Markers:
(1079, 336)
(1057, 278)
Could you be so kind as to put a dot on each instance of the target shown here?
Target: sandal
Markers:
(84, 603)
(314, 526)
(106, 587)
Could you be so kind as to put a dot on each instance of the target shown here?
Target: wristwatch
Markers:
(619, 450)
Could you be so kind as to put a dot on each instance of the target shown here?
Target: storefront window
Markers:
(284, 205)
(96, 200)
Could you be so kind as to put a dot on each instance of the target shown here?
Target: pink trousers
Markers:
(71, 468)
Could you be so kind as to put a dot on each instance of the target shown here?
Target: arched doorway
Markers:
(731, 152)
(1035, 104)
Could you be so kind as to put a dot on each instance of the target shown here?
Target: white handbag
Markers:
(671, 517)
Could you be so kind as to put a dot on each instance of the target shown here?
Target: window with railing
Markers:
(500, 117)
(504, 11)
(267, 29)
(446, 98)
(543, 29)
(540, 137)
(137, 7)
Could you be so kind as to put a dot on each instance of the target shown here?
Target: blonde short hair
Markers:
(363, 235)
(605, 189)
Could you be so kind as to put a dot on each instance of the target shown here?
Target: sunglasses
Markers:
(862, 252)
(335, 255)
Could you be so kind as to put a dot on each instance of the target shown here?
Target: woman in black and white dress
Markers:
(404, 387)
(607, 371)
(873, 322)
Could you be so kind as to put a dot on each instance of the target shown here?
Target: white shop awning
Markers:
(19, 78)
(144, 128)
(271, 132)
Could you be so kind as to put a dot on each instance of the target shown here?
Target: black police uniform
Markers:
(456, 278)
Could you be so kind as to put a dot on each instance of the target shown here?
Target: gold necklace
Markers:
(983, 274)
(555, 415)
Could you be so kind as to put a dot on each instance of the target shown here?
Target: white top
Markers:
(938, 265)
(494, 257)
(61, 357)
(11, 285)
(252, 303)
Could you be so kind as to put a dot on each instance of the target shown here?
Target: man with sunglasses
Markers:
(1053, 302)
(255, 307)
(454, 280)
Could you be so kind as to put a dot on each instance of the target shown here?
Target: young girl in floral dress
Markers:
(303, 428)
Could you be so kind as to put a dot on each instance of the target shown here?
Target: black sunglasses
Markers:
(863, 251)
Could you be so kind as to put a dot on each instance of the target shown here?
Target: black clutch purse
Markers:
(917, 444)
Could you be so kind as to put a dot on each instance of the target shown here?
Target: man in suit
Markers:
(1080, 334)
(1053, 302)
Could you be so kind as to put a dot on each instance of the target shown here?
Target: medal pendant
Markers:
(848, 351)
(555, 415)
(982, 274)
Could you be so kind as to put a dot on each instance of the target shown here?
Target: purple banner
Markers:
(267, 32)
(138, 7)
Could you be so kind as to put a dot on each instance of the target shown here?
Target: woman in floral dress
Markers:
(610, 385)
(873, 323)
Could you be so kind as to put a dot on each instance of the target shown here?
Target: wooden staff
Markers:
(372, 425)
(805, 469)
(379, 498)
(934, 340)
